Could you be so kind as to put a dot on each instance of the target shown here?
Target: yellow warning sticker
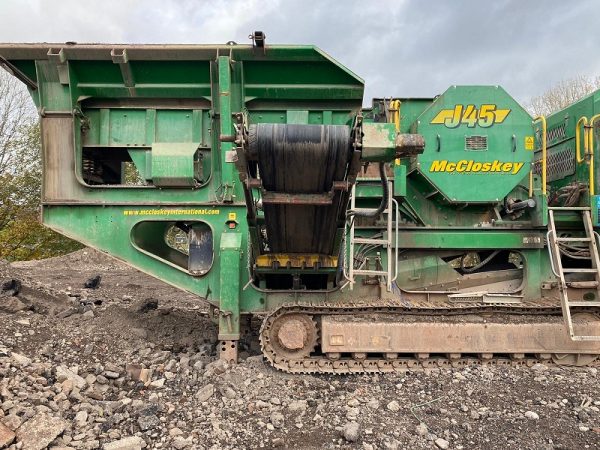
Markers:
(232, 216)
(529, 144)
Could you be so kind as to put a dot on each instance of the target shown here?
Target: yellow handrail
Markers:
(583, 120)
(543, 120)
(395, 118)
(591, 150)
(395, 110)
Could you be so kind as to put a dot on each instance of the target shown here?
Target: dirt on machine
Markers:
(417, 232)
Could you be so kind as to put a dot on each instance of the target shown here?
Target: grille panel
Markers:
(556, 133)
(476, 143)
(560, 164)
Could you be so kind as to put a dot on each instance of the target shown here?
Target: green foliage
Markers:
(131, 175)
(21, 234)
(177, 239)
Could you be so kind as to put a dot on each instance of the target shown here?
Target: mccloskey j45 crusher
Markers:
(418, 232)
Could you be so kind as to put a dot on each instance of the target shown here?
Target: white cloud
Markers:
(403, 48)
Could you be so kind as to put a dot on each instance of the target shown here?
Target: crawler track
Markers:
(316, 362)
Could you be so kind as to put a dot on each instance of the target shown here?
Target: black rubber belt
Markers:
(301, 159)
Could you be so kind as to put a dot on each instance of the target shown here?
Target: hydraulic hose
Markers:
(477, 266)
(384, 197)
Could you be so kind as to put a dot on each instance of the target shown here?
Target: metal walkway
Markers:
(387, 268)
(593, 273)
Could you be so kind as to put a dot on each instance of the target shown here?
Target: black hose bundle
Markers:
(384, 198)
(478, 265)
(570, 194)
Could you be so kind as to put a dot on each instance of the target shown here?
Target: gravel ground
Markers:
(131, 364)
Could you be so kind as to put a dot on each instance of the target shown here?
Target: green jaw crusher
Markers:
(368, 239)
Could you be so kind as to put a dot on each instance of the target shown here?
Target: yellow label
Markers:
(171, 212)
(529, 143)
(232, 216)
(470, 166)
(485, 116)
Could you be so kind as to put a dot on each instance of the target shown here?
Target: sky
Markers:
(402, 48)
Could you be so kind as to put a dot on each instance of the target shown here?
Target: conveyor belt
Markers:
(301, 159)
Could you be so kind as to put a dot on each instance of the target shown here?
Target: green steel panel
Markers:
(143, 162)
(125, 129)
(596, 210)
(563, 168)
(147, 118)
(173, 164)
(475, 136)
(174, 126)
(231, 258)
(399, 180)
(465, 239)
(181, 97)
(368, 189)
(379, 141)
(297, 117)
(423, 271)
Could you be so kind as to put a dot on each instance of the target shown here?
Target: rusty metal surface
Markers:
(338, 362)
(149, 52)
(229, 351)
(280, 198)
(59, 159)
(473, 335)
(294, 336)
(409, 145)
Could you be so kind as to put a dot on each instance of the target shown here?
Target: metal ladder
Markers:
(389, 242)
(557, 267)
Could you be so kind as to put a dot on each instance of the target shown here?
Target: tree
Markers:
(16, 112)
(562, 95)
(21, 234)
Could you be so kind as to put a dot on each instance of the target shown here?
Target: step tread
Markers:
(385, 211)
(573, 239)
(584, 303)
(369, 272)
(371, 241)
(576, 337)
(579, 270)
(583, 284)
